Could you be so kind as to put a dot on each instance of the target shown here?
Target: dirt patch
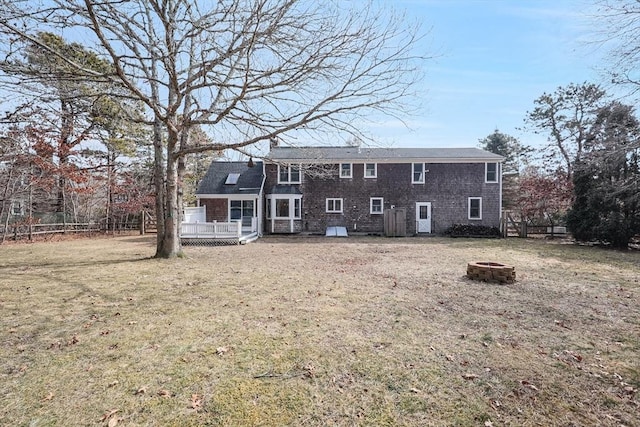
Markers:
(317, 331)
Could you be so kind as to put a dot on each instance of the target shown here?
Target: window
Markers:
(283, 207)
(296, 208)
(334, 205)
(375, 205)
(345, 170)
(232, 179)
(370, 170)
(235, 209)
(491, 172)
(240, 208)
(288, 174)
(475, 207)
(418, 173)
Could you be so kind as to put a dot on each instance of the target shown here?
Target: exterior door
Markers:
(423, 217)
(242, 210)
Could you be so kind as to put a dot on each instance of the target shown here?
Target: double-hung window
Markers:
(418, 173)
(334, 206)
(346, 170)
(370, 170)
(289, 174)
(375, 205)
(491, 172)
(475, 208)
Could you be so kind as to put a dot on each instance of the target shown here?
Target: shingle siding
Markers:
(447, 186)
(217, 209)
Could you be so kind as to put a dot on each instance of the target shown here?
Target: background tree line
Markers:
(588, 174)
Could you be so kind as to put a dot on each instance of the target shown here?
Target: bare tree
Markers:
(565, 116)
(246, 71)
(617, 30)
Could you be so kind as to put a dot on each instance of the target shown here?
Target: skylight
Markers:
(232, 178)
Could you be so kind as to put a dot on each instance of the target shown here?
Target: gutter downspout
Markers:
(261, 199)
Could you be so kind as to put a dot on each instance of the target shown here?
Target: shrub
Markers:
(470, 230)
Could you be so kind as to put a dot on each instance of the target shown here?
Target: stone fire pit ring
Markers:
(488, 271)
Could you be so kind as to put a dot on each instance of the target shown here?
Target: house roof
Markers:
(285, 189)
(381, 155)
(241, 178)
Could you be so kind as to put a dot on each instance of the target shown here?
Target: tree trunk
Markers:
(169, 241)
(159, 183)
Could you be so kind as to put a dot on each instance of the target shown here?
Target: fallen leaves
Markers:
(528, 385)
(59, 344)
(196, 401)
(309, 370)
(108, 416)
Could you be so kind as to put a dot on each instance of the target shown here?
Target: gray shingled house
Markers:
(393, 191)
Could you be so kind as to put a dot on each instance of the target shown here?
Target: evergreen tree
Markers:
(507, 146)
(607, 180)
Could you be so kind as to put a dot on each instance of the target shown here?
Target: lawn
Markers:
(318, 331)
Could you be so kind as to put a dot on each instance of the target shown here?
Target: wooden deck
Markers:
(218, 233)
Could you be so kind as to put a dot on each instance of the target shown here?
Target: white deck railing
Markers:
(211, 229)
(217, 230)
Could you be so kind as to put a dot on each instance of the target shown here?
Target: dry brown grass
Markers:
(316, 331)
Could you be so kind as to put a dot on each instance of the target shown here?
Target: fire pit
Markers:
(491, 271)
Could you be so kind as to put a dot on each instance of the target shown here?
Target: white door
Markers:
(423, 217)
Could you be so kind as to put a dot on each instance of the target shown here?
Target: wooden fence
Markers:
(20, 231)
(512, 227)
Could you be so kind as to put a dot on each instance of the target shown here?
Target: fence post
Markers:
(142, 221)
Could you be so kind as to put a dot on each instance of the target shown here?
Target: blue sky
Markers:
(494, 58)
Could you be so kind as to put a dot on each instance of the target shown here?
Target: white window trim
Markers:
(486, 172)
(423, 173)
(242, 202)
(469, 209)
(350, 170)
(289, 181)
(371, 200)
(334, 199)
(375, 170)
(297, 215)
(272, 206)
